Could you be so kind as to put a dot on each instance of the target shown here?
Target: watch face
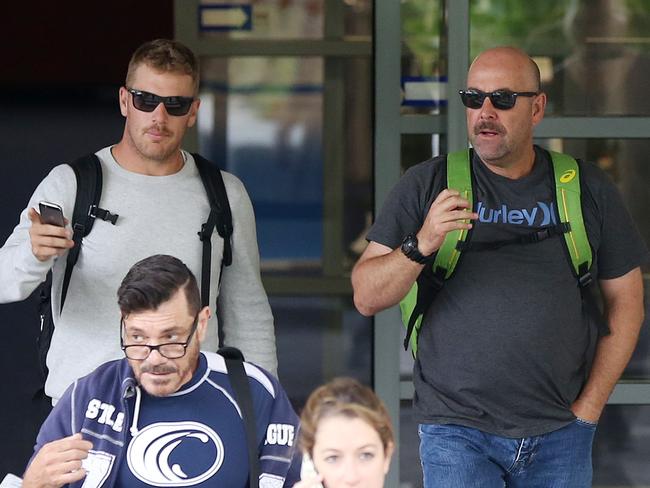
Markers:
(409, 245)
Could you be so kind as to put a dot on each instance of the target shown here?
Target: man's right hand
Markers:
(48, 240)
(58, 463)
(448, 212)
(382, 276)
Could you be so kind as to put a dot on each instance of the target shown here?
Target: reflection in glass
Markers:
(262, 19)
(280, 19)
(264, 125)
(423, 65)
(263, 120)
(317, 339)
(594, 55)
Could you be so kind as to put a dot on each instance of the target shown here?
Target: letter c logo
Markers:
(568, 176)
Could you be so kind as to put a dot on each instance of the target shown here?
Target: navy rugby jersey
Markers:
(194, 437)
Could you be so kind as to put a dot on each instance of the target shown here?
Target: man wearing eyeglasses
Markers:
(155, 188)
(503, 389)
(167, 414)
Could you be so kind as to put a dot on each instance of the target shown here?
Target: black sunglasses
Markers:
(147, 102)
(501, 99)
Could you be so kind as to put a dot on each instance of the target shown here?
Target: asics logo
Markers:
(568, 175)
(175, 454)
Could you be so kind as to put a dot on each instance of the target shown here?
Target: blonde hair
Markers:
(348, 398)
(165, 55)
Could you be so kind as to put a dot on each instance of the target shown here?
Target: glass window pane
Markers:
(263, 119)
(423, 63)
(281, 19)
(622, 447)
(420, 147)
(357, 159)
(325, 336)
(594, 57)
(262, 19)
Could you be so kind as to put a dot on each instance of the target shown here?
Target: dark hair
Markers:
(165, 55)
(153, 281)
(349, 398)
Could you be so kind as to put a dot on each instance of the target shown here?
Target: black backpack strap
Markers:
(531, 238)
(220, 217)
(88, 171)
(241, 387)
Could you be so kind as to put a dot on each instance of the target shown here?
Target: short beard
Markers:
(502, 150)
(151, 155)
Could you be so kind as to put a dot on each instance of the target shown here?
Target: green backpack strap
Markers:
(567, 190)
(417, 300)
(459, 177)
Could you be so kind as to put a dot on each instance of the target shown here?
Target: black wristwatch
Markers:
(410, 249)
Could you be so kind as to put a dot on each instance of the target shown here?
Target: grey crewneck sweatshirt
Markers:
(158, 214)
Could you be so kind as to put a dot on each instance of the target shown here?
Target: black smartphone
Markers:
(51, 214)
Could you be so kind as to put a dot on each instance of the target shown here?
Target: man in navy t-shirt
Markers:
(167, 414)
(512, 372)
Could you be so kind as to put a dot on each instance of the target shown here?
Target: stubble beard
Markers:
(156, 386)
(491, 152)
(158, 152)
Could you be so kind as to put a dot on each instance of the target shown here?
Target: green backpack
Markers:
(459, 177)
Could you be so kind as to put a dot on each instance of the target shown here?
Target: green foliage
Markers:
(512, 22)
(536, 26)
(421, 21)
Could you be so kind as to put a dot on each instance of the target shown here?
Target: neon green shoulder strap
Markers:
(459, 177)
(413, 305)
(569, 207)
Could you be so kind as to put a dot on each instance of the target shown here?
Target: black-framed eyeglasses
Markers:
(147, 102)
(169, 350)
(501, 99)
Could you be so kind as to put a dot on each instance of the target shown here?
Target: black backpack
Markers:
(88, 172)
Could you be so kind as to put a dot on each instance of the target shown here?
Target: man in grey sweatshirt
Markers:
(155, 188)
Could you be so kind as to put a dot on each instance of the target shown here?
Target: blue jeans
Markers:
(453, 456)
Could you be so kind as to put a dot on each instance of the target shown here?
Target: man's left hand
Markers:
(584, 411)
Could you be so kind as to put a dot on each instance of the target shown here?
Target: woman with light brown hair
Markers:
(347, 432)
